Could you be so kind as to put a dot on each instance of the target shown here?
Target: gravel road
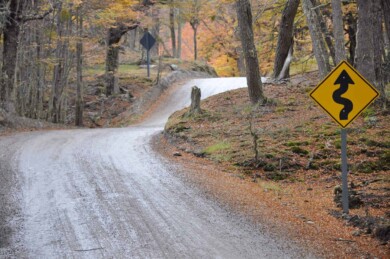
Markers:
(105, 194)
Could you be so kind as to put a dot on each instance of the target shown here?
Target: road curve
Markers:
(105, 194)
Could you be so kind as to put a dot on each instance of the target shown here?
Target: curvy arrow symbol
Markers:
(343, 80)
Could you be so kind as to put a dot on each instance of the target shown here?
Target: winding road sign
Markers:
(147, 41)
(344, 94)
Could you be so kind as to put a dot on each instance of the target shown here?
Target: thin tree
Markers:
(327, 35)
(285, 39)
(172, 27)
(386, 16)
(79, 66)
(244, 16)
(14, 16)
(351, 25)
(338, 31)
(64, 59)
(239, 55)
(379, 50)
(364, 57)
(194, 22)
(114, 35)
(179, 33)
(154, 14)
(320, 52)
(369, 48)
(10, 32)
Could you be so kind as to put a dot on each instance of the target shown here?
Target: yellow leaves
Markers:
(225, 66)
(72, 3)
(116, 11)
(65, 15)
(77, 3)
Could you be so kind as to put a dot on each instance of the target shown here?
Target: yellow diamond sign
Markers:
(344, 94)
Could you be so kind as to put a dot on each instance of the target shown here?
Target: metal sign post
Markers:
(148, 42)
(344, 171)
(148, 62)
(344, 94)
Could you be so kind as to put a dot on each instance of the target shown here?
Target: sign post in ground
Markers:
(148, 41)
(344, 94)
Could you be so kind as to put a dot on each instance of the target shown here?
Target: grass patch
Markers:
(299, 150)
(223, 145)
(297, 144)
(100, 69)
(277, 176)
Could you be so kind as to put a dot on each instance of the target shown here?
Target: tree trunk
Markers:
(325, 32)
(194, 24)
(172, 28)
(338, 31)
(11, 32)
(378, 44)
(319, 49)
(40, 77)
(133, 39)
(79, 70)
(244, 16)
(285, 37)
(155, 31)
(112, 63)
(351, 30)
(240, 62)
(64, 60)
(379, 51)
(179, 36)
(195, 44)
(112, 56)
(364, 58)
(386, 15)
(57, 85)
(239, 54)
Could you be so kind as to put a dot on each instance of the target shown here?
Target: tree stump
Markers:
(195, 101)
(2, 116)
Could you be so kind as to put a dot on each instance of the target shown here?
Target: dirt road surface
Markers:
(106, 194)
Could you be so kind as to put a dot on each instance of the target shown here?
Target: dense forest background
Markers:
(50, 47)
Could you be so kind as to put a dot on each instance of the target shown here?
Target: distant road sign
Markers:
(344, 94)
(147, 41)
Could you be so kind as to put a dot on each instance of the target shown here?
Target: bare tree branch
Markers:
(36, 16)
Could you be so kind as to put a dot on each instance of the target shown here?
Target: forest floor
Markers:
(293, 181)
